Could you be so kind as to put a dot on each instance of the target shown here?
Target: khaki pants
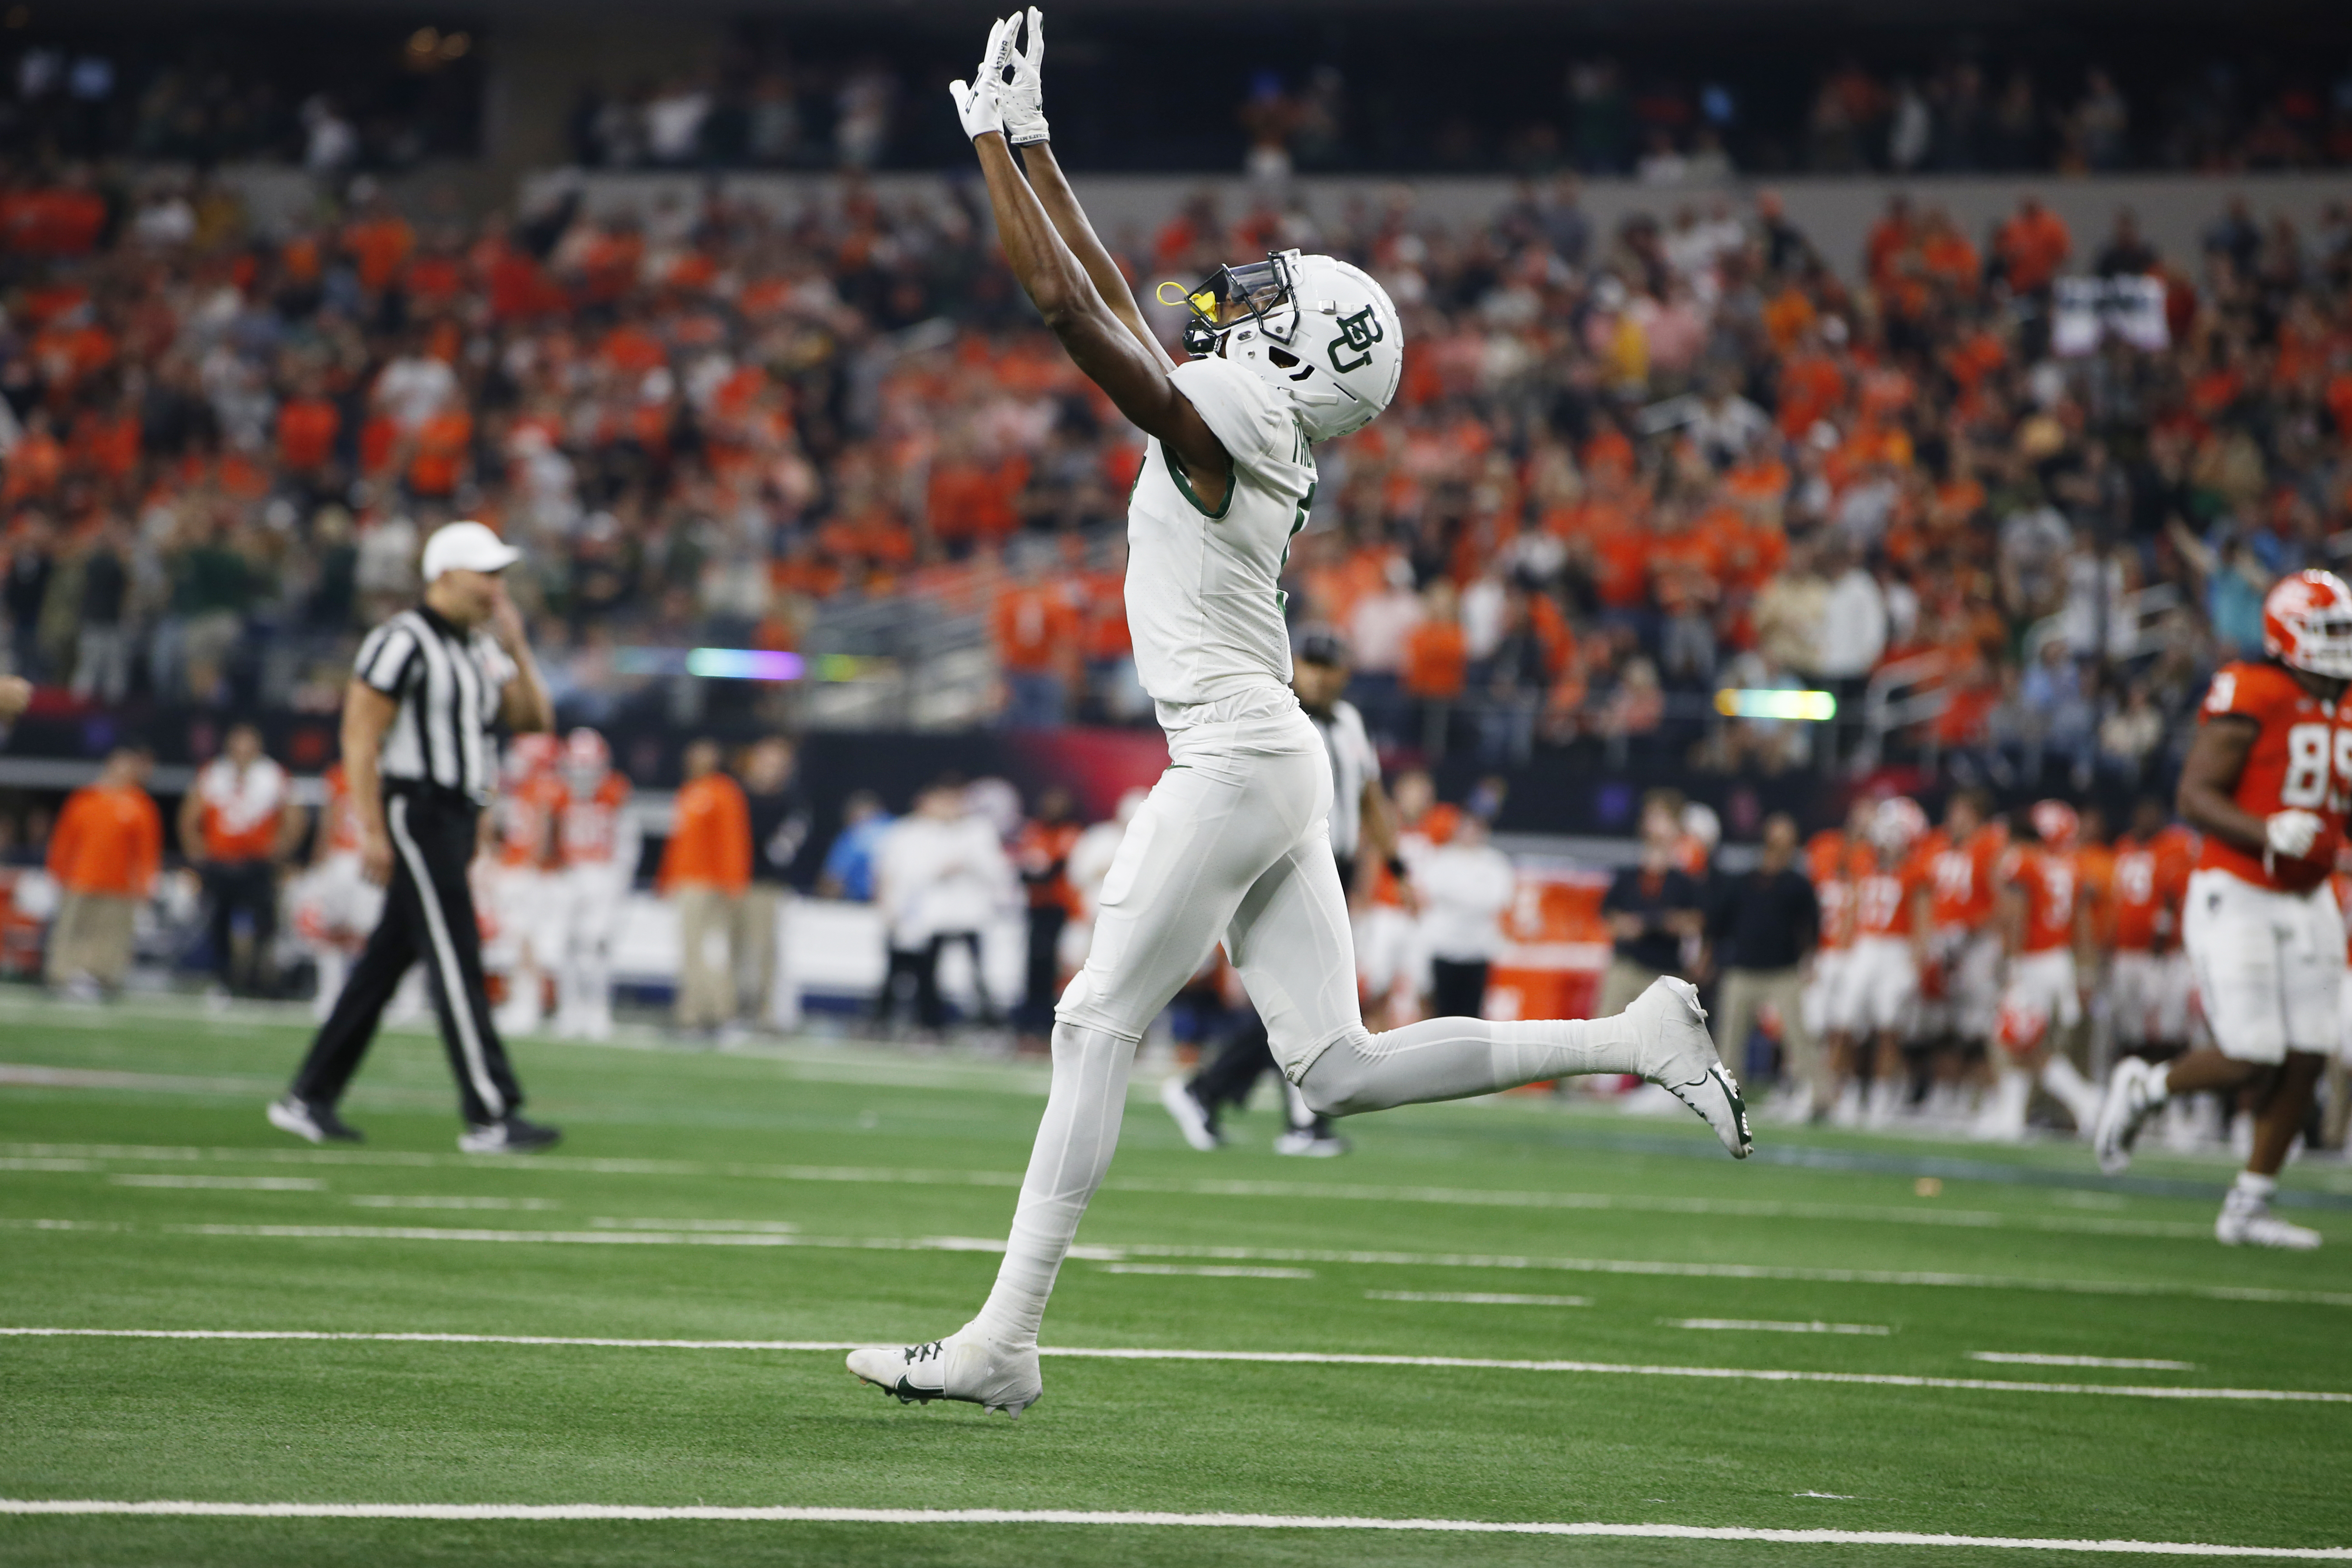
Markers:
(761, 918)
(1623, 981)
(705, 979)
(91, 937)
(1745, 992)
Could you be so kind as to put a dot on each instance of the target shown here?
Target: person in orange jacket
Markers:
(104, 853)
(705, 866)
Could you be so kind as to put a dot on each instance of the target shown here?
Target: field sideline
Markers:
(1501, 1332)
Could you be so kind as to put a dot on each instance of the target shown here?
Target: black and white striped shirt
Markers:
(447, 683)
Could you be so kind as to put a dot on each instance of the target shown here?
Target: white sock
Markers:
(2066, 1082)
(1452, 1058)
(2251, 1188)
(1075, 1144)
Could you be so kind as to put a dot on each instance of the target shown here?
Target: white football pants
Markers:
(1234, 844)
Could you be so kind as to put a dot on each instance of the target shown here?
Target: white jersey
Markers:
(1203, 603)
(1354, 764)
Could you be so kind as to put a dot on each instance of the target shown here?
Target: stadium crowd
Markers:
(1626, 468)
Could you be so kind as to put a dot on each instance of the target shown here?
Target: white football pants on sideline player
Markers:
(590, 901)
(1234, 844)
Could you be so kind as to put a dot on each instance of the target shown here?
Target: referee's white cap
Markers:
(467, 547)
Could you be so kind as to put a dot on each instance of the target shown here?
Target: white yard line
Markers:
(225, 1183)
(1287, 1358)
(1467, 1197)
(1760, 1326)
(1208, 1270)
(632, 1512)
(1129, 1251)
(2135, 1363)
(1478, 1297)
(398, 1201)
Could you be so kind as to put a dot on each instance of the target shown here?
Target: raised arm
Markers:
(1099, 343)
(1024, 106)
(1069, 220)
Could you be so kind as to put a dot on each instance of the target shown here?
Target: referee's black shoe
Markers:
(310, 1119)
(511, 1136)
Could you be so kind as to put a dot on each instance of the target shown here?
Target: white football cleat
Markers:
(2248, 1222)
(963, 1366)
(1677, 1053)
(2130, 1101)
(1192, 1118)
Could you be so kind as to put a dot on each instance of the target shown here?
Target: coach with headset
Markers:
(420, 764)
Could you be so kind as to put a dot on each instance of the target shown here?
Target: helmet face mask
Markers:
(2307, 624)
(1270, 316)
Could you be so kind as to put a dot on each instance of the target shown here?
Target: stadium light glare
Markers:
(744, 664)
(1775, 703)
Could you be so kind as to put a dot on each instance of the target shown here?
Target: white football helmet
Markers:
(1320, 331)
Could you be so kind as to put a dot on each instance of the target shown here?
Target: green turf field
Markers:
(821, 1195)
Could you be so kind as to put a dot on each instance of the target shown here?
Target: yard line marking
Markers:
(759, 1227)
(1472, 1197)
(470, 1511)
(1814, 1327)
(25, 1075)
(1478, 1297)
(2138, 1363)
(1123, 1252)
(397, 1201)
(1285, 1358)
(1209, 1270)
(225, 1183)
(61, 1166)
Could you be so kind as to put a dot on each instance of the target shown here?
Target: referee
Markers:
(420, 761)
(1361, 815)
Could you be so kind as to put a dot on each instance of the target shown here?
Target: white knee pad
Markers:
(1335, 1082)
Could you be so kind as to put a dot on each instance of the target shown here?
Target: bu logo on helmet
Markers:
(1358, 332)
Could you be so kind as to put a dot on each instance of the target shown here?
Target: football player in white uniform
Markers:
(1232, 844)
(598, 841)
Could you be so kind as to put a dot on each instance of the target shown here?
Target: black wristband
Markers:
(1396, 867)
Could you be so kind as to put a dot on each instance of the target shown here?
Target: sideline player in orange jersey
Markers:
(524, 880)
(2266, 782)
(1878, 986)
(596, 843)
(1828, 857)
(2046, 929)
(2148, 983)
(1962, 1006)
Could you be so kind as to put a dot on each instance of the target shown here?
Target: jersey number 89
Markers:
(2318, 768)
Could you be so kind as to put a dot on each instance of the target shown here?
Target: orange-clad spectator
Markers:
(1788, 316)
(1811, 387)
(104, 853)
(235, 823)
(378, 242)
(1895, 233)
(1037, 632)
(1947, 257)
(630, 347)
(442, 453)
(1436, 663)
(435, 280)
(2032, 246)
(705, 867)
(35, 463)
(308, 425)
(106, 445)
(971, 502)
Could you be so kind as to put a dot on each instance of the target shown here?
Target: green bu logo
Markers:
(1358, 333)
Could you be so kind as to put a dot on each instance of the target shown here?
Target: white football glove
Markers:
(979, 103)
(2291, 834)
(1024, 95)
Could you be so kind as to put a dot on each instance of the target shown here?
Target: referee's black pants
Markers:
(428, 914)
